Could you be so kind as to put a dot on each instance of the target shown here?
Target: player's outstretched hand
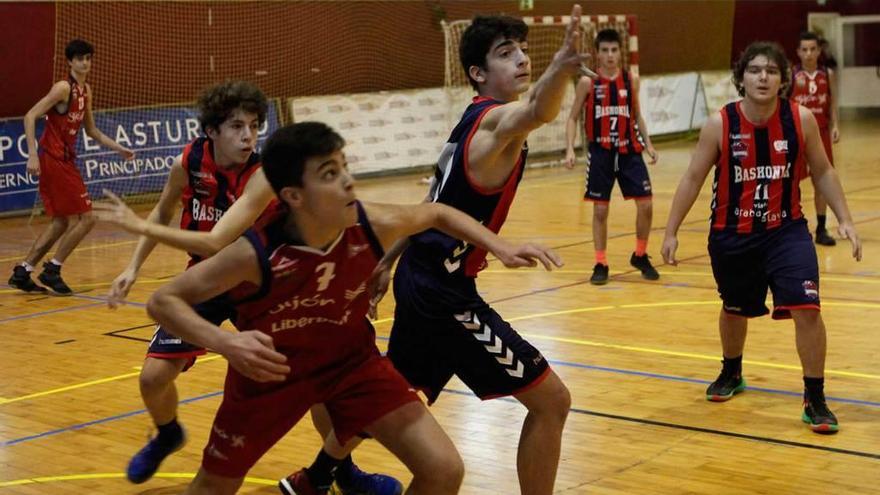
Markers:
(528, 254)
(848, 231)
(568, 57)
(670, 246)
(115, 211)
(377, 286)
(253, 354)
(120, 287)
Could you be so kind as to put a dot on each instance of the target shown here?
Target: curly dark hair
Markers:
(773, 52)
(218, 102)
(479, 36)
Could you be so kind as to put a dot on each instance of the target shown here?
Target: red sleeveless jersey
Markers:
(608, 119)
(813, 91)
(59, 137)
(757, 177)
(210, 190)
(313, 303)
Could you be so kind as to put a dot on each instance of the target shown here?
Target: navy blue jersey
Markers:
(438, 252)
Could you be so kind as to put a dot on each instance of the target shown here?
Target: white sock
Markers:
(55, 262)
(27, 266)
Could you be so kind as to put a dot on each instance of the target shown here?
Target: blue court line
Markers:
(42, 313)
(98, 421)
(459, 392)
(104, 300)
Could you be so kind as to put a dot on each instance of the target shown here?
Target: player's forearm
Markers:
(546, 98)
(461, 226)
(103, 139)
(200, 243)
(30, 132)
(828, 184)
(685, 196)
(643, 131)
(570, 133)
(178, 317)
(145, 244)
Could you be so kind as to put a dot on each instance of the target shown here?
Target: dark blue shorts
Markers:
(472, 342)
(783, 260)
(606, 166)
(165, 345)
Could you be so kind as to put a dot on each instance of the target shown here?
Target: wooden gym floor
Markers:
(636, 355)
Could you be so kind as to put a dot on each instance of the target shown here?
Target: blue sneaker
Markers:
(361, 483)
(146, 462)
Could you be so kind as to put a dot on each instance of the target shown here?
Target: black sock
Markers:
(820, 222)
(344, 471)
(170, 431)
(733, 365)
(814, 387)
(321, 471)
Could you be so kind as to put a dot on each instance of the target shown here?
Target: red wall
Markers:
(27, 36)
(783, 20)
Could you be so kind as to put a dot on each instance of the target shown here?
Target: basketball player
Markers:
(205, 179)
(67, 107)
(812, 88)
(758, 236)
(442, 326)
(610, 106)
(299, 281)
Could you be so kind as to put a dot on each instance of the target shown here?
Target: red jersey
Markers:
(59, 137)
(608, 119)
(757, 177)
(313, 303)
(210, 190)
(813, 91)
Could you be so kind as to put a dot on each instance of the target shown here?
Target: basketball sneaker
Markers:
(600, 274)
(146, 462)
(51, 277)
(817, 415)
(725, 386)
(21, 280)
(298, 483)
(357, 482)
(824, 239)
(643, 263)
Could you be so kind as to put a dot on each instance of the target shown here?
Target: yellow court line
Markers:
(83, 384)
(78, 249)
(104, 476)
(665, 352)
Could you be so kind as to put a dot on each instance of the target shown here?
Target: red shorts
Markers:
(825, 132)
(254, 416)
(61, 188)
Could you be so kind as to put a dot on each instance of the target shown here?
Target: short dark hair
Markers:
(479, 36)
(608, 36)
(287, 150)
(809, 35)
(218, 102)
(78, 48)
(769, 49)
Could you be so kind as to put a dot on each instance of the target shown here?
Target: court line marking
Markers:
(100, 476)
(85, 384)
(78, 249)
(47, 312)
(583, 342)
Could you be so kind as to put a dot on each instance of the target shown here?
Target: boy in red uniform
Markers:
(611, 111)
(299, 280)
(758, 236)
(67, 106)
(812, 87)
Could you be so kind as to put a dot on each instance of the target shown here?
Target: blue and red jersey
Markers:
(757, 177)
(609, 120)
